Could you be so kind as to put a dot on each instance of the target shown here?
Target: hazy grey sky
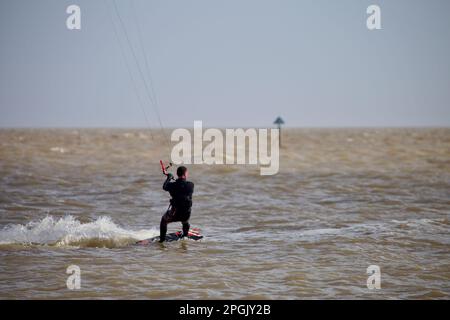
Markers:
(228, 63)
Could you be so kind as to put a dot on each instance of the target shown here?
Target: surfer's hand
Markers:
(169, 176)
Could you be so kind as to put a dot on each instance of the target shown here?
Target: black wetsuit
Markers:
(180, 205)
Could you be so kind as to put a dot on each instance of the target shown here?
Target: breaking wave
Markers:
(68, 231)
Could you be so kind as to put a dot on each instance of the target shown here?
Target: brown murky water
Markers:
(344, 199)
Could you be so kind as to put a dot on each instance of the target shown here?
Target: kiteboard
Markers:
(193, 234)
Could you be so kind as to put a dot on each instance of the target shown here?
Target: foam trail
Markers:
(68, 231)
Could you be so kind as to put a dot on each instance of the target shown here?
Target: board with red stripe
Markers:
(194, 234)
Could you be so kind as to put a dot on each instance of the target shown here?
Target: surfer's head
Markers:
(182, 172)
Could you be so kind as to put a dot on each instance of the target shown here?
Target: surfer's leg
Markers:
(163, 229)
(166, 218)
(186, 227)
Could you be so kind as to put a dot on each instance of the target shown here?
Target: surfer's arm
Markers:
(167, 184)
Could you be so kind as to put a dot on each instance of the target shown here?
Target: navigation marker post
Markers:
(278, 121)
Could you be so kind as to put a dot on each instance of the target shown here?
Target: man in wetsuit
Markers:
(180, 205)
